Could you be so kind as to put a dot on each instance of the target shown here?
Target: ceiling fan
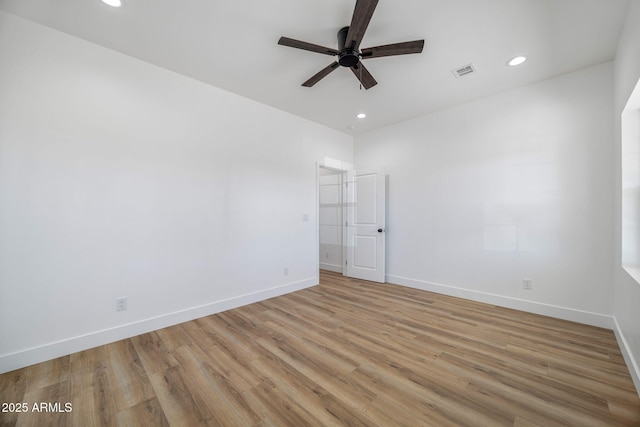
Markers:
(348, 52)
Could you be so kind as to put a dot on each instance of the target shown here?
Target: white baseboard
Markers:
(331, 267)
(628, 355)
(27, 357)
(565, 313)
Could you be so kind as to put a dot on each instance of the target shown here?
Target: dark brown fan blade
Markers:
(404, 48)
(286, 41)
(321, 74)
(364, 75)
(359, 22)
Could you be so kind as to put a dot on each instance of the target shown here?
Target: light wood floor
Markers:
(346, 352)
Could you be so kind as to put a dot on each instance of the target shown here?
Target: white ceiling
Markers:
(233, 45)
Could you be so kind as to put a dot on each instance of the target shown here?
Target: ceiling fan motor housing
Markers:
(347, 57)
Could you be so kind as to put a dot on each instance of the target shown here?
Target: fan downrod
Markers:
(347, 57)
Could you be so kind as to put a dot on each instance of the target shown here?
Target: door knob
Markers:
(379, 230)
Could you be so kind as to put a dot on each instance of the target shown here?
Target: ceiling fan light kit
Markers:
(347, 57)
(348, 53)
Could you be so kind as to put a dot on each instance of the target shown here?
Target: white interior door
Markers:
(365, 224)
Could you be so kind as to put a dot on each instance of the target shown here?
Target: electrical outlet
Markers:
(527, 284)
(326, 254)
(121, 303)
(286, 271)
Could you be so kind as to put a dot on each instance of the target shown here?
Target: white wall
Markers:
(515, 186)
(119, 178)
(330, 220)
(627, 291)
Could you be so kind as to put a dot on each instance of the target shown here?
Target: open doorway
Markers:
(330, 219)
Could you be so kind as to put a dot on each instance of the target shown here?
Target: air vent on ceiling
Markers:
(464, 71)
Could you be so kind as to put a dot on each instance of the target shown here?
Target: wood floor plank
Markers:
(305, 393)
(46, 374)
(48, 406)
(308, 332)
(388, 410)
(131, 385)
(206, 396)
(154, 354)
(13, 386)
(227, 388)
(305, 371)
(83, 366)
(270, 400)
(175, 399)
(233, 369)
(345, 352)
(146, 413)
(547, 394)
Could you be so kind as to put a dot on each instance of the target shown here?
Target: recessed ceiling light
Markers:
(114, 3)
(516, 61)
(361, 115)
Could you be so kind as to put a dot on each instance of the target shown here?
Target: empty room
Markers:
(306, 212)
